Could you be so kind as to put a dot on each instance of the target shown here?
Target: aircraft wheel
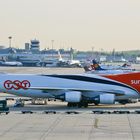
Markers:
(85, 105)
(75, 104)
(69, 104)
(45, 102)
(122, 102)
(96, 103)
(79, 105)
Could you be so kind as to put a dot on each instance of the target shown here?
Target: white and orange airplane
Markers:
(77, 90)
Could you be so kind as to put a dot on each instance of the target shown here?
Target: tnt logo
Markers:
(25, 84)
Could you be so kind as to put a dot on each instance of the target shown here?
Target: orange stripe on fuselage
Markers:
(131, 79)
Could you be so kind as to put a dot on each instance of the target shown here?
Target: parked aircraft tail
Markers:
(93, 67)
(59, 56)
(126, 65)
(96, 65)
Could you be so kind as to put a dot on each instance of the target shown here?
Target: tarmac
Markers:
(67, 123)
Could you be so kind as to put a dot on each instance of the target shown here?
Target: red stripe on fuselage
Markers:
(131, 79)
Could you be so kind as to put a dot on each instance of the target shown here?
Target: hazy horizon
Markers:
(80, 24)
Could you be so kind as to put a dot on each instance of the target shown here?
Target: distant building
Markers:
(138, 59)
(116, 58)
(2, 47)
(35, 46)
(102, 58)
(27, 46)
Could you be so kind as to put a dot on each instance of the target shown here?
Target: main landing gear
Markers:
(80, 104)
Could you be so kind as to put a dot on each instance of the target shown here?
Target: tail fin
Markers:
(59, 55)
(131, 79)
(126, 65)
(95, 65)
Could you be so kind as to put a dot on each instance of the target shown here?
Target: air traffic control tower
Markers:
(35, 47)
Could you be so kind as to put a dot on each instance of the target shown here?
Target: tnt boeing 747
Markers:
(77, 90)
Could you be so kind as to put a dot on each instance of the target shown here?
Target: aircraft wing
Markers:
(116, 92)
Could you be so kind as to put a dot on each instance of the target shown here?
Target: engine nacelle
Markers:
(73, 96)
(107, 99)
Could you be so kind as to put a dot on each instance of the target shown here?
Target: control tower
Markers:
(35, 45)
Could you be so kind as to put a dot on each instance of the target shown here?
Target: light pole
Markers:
(10, 38)
(52, 47)
(92, 51)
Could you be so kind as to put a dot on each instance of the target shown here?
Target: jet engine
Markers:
(106, 99)
(73, 96)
